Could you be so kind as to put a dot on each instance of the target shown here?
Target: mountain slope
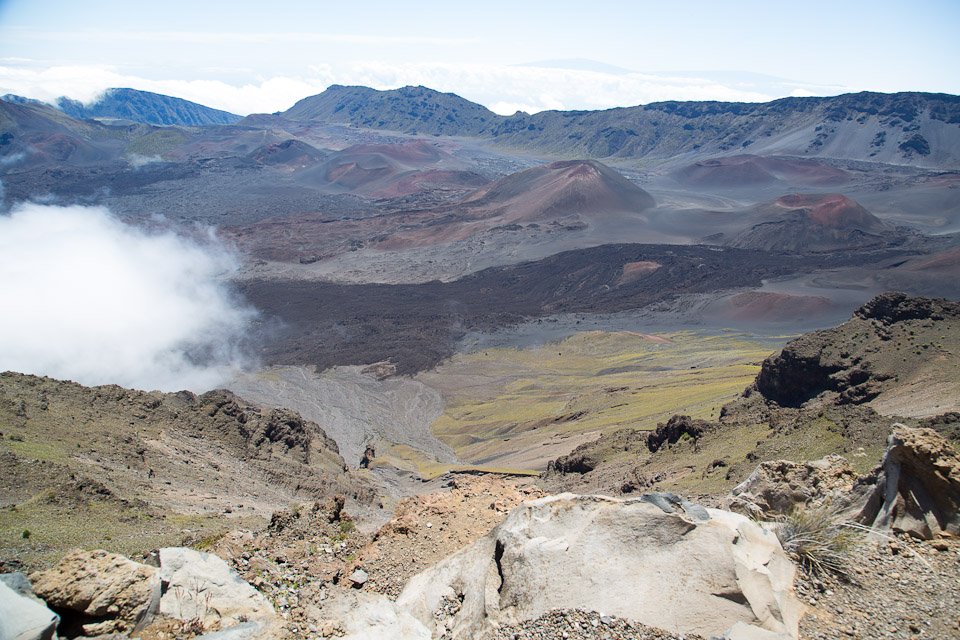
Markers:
(36, 133)
(409, 109)
(92, 466)
(810, 223)
(148, 108)
(903, 128)
(833, 391)
(583, 187)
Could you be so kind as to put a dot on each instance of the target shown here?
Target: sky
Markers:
(250, 57)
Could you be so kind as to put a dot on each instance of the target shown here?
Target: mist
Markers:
(89, 298)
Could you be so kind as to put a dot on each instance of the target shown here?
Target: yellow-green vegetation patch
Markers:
(502, 401)
(33, 448)
(407, 458)
(702, 468)
(39, 531)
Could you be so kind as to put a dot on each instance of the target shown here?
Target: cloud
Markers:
(502, 88)
(91, 299)
(136, 161)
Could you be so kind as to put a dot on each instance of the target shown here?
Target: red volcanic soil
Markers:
(636, 270)
(415, 182)
(584, 187)
(946, 262)
(289, 153)
(761, 306)
(812, 223)
(750, 170)
(389, 170)
(61, 147)
(414, 152)
(353, 176)
(831, 210)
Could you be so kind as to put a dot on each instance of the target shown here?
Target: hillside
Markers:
(390, 170)
(584, 187)
(811, 223)
(834, 391)
(410, 110)
(89, 466)
(744, 171)
(147, 108)
(903, 128)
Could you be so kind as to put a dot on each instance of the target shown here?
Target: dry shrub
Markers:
(819, 538)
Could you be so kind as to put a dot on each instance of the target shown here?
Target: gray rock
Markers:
(243, 631)
(642, 559)
(23, 618)
(202, 586)
(918, 486)
(19, 583)
(359, 578)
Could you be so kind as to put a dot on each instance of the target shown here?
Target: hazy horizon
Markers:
(509, 57)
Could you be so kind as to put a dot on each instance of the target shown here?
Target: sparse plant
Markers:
(819, 538)
(25, 534)
(199, 596)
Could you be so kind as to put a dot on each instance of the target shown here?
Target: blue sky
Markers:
(256, 56)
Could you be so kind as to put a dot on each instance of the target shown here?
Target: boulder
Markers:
(362, 615)
(654, 559)
(777, 487)
(98, 592)
(200, 586)
(24, 618)
(242, 631)
(918, 486)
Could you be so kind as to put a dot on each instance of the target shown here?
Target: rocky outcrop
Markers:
(588, 456)
(23, 617)
(676, 428)
(854, 360)
(777, 487)
(200, 586)
(97, 592)
(804, 370)
(889, 308)
(918, 486)
(654, 559)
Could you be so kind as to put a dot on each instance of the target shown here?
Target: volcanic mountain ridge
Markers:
(918, 127)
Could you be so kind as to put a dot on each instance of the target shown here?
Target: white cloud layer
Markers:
(91, 299)
(502, 88)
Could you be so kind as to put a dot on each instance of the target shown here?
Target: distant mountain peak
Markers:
(146, 107)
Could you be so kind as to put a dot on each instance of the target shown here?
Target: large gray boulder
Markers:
(98, 592)
(653, 559)
(917, 486)
(200, 586)
(24, 618)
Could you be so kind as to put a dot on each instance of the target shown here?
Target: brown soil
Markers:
(428, 528)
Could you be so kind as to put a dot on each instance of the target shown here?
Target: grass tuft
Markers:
(819, 538)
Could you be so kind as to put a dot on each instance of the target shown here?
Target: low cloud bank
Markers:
(89, 298)
(502, 88)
